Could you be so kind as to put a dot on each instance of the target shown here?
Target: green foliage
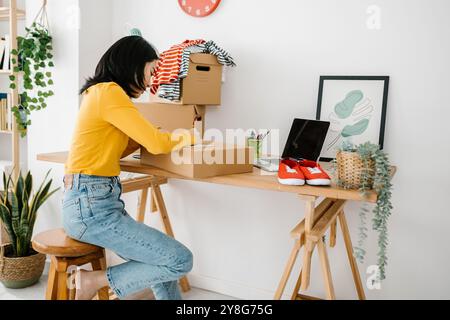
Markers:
(379, 180)
(18, 210)
(33, 57)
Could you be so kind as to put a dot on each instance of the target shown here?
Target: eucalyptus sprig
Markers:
(33, 57)
(377, 178)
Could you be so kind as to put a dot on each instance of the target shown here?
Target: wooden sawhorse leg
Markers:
(324, 218)
(288, 269)
(351, 257)
(326, 271)
(156, 204)
(143, 203)
(299, 234)
(309, 245)
(161, 206)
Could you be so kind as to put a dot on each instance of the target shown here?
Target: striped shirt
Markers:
(168, 67)
(172, 90)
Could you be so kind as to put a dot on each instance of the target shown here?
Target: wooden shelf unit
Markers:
(12, 14)
(5, 14)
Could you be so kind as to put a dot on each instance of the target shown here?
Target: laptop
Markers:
(306, 139)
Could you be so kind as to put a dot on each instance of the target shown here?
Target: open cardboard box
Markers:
(203, 160)
(203, 85)
(199, 161)
(170, 117)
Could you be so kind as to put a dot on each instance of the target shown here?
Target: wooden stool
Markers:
(325, 218)
(66, 252)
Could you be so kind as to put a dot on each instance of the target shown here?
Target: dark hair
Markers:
(124, 64)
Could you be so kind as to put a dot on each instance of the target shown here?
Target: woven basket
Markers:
(350, 166)
(21, 272)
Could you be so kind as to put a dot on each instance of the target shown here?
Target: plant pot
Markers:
(22, 272)
(350, 167)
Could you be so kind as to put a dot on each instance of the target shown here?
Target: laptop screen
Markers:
(306, 139)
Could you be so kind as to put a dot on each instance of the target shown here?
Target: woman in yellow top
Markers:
(109, 127)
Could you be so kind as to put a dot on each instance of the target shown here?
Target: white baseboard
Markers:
(47, 267)
(232, 289)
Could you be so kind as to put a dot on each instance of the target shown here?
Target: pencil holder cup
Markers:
(256, 146)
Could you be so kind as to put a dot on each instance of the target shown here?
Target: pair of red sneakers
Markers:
(297, 173)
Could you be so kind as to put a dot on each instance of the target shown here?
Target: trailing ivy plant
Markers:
(33, 57)
(377, 178)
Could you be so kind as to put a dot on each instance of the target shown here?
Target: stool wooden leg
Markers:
(52, 283)
(61, 266)
(142, 205)
(326, 270)
(73, 285)
(309, 247)
(103, 261)
(184, 283)
(351, 257)
(103, 293)
(62, 286)
(288, 269)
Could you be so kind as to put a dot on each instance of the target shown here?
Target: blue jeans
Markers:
(94, 213)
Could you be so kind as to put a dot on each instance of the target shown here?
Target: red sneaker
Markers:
(289, 173)
(314, 174)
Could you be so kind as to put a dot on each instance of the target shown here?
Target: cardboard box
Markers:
(203, 161)
(170, 117)
(203, 85)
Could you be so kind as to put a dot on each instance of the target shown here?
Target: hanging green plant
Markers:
(34, 57)
(367, 168)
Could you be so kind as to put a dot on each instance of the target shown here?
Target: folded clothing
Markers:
(174, 66)
(168, 67)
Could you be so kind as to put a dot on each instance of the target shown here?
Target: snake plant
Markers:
(18, 210)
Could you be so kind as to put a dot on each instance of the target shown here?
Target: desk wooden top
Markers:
(255, 180)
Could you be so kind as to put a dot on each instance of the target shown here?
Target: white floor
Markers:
(37, 292)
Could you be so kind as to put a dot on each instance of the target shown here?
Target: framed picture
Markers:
(356, 108)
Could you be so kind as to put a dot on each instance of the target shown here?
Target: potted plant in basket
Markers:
(20, 265)
(366, 167)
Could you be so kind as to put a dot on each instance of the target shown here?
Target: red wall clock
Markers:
(199, 8)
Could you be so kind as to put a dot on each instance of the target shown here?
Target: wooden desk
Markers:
(255, 180)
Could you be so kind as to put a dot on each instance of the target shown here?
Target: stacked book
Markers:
(5, 112)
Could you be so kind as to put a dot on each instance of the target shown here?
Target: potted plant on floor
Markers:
(20, 265)
(366, 167)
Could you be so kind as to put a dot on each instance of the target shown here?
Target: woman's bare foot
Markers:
(88, 283)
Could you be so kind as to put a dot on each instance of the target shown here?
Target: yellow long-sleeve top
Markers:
(106, 121)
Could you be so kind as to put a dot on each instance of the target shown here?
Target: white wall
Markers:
(95, 35)
(78, 40)
(51, 128)
(240, 237)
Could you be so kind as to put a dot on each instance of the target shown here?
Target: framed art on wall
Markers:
(356, 108)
